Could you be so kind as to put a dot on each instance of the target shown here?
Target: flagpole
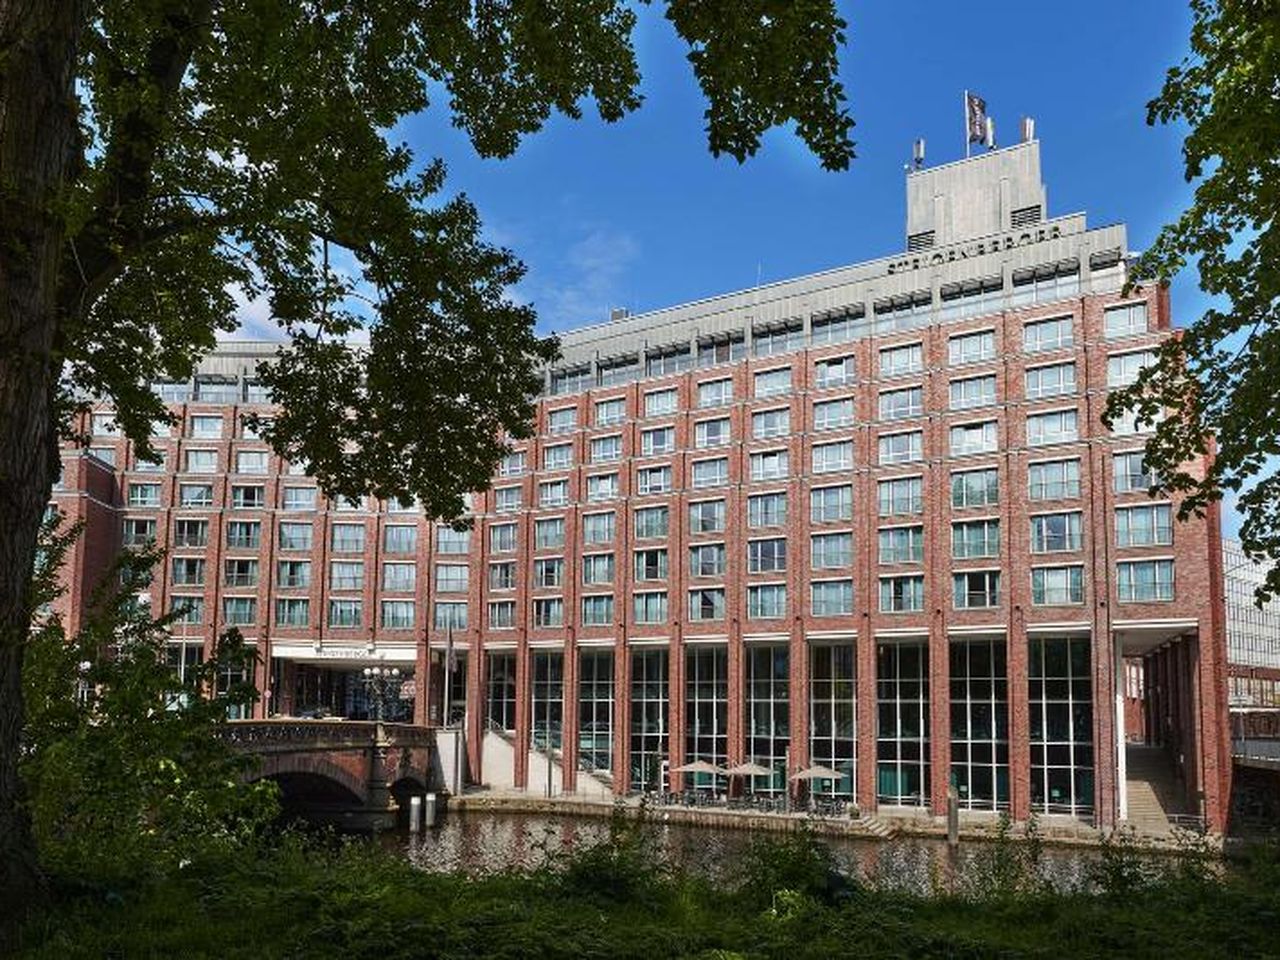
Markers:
(965, 111)
(448, 671)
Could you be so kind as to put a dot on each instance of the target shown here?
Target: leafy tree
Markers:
(1220, 378)
(126, 774)
(160, 158)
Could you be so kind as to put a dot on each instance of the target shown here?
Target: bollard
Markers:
(415, 814)
(431, 811)
(953, 818)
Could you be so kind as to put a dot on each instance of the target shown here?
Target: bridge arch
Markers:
(296, 770)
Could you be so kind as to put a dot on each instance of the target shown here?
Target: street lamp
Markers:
(379, 683)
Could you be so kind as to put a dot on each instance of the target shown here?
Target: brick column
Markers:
(569, 727)
(621, 716)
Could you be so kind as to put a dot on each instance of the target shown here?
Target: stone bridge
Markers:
(353, 774)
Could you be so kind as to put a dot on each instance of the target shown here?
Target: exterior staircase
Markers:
(1155, 797)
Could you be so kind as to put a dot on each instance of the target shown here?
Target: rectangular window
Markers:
(502, 575)
(244, 534)
(901, 447)
(830, 504)
(975, 538)
(832, 457)
(901, 496)
(710, 473)
(188, 571)
(145, 494)
(190, 533)
(291, 574)
(399, 576)
(833, 414)
(606, 449)
(104, 425)
(346, 575)
(298, 498)
(650, 693)
(452, 541)
(597, 568)
(706, 603)
(901, 404)
(597, 611)
(897, 361)
(833, 372)
(206, 427)
(1055, 380)
(715, 393)
(502, 614)
(202, 461)
(189, 610)
(400, 538)
(653, 480)
(976, 589)
(970, 438)
(772, 383)
(1123, 368)
(651, 522)
(449, 615)
(251, 462)
(770, 423)
(293, 612)
(833, 711)
(711, 433)
(344, 613)
(150, 466)
(901, 545)
(295, 536)
(838, 328)
(771, 341)
(554, 493)
(659, 403)
(559, 457)
(975, 488)
(512, 464)
(1056, 532)
(548, 533)
(971, 347)
(707, 560)
(507, 499)
(1052, 334)
(767, 601)
(657, 441)
(767, 556)
(901, 594)
(1057, 585)
(831, 598)
(195, 496)
(651, 564)
(597, 527)
(397, 614)
(599, 488)
(766, 510)
(1057, 426)
(1053, 480)
(831, 551)
(1132, 475)
(239, 611)
(708, 516)
(562, 420)
(240, 573)
(452, 577)
(650, 607)
(611, 412)
(665, 361)
(248, 498)
(1126, 320)
(347, 538)
(1144, 526)
(980, 724)
(769, 465)
(548, 572)
(1144, 580)
(138, 532)
(767, 714)
(973, 392)
(1060, 698)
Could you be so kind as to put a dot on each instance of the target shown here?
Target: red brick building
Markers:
(868, 519)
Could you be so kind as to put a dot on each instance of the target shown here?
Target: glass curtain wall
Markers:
(902, 724)
(547, 689)
(833, 728)
(650, 698)
(768, 714)
(706, 692)
(500, 701)
(1061, 701)
(980, 724)
(595, 710)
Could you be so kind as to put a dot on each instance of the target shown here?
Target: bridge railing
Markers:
(1256, 748)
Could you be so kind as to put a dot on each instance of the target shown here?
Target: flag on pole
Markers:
(975, 109)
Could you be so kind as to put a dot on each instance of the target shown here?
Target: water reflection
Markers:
(478, 844)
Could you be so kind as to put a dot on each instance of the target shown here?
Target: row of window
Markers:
(296, 612)
(1051, 333)
(295, 535)
(343, 574)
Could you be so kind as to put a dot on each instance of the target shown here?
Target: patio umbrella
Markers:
(699, 766)
(748, 770)
(817, 773)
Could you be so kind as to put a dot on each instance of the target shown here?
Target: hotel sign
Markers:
(981, 248)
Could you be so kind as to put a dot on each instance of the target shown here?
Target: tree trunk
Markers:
(38, 151)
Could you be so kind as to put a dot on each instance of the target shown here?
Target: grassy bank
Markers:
(300, 898)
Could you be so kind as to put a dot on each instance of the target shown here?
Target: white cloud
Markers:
(585, 282)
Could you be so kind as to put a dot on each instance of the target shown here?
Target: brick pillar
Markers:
(864, 789)
(621, 718)
(524, 718)
(735, 724)
(675, 707)
(569, 728)
(477, 674)
(1105, 761)
(1017, 661)
(422, 681)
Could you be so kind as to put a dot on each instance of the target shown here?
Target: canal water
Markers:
(482, 843)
